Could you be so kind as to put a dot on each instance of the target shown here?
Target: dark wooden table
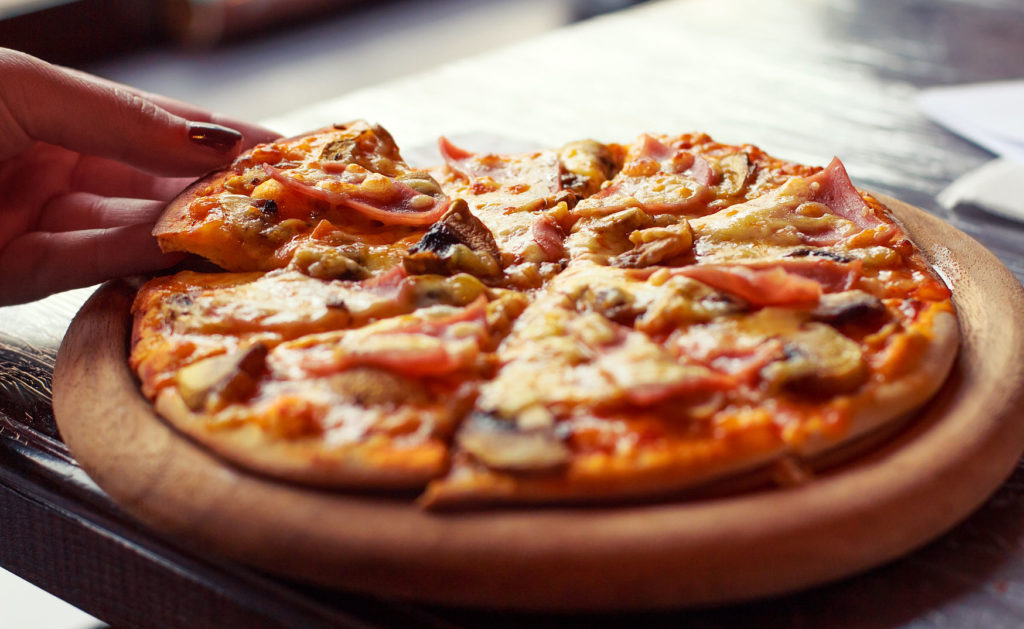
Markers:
(803, 79)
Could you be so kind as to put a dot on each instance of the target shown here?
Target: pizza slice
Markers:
(366, 407)
(336, 203)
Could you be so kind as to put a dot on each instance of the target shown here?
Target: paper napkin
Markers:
(990, 115)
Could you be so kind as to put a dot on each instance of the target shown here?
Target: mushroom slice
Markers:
(847, 307)
(614, 302)
(608, 235)
(457, 242)
(370, 386)
(585, 166)
(219, 380)
(736, 170)
(655, 245)
(370, 146)
(818, 360)
(505, 445)
(460, 289)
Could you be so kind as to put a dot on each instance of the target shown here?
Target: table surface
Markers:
(804, 80)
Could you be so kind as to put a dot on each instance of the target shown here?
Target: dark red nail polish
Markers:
(213, 136)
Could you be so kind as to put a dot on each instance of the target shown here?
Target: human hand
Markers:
(86, 167)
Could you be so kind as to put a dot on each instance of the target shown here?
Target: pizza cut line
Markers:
(595, 322)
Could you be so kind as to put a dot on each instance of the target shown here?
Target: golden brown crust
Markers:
(358, 466)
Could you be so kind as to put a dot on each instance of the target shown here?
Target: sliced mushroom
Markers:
(503, 445)
(819, 360)
(655, 245)
(368, 386)
(429, 290)
(326, 262)
(736, 171)
(458, 242)
(421, 181)
(596, 239)
(585, 166)
(848, 306)
(682, 301)
(219, 380)
(370, 146)
(613, 302)
(828, 254)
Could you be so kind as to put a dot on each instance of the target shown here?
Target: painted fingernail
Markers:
(213, 136)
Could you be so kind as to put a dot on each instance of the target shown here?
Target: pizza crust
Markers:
(308, 461)
(893, 400)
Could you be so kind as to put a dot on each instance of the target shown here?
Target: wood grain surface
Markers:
(877, 507)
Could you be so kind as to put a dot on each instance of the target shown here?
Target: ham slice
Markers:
(701, 171)
(835, 190)
(831, 275)
(548, 236)
(759, 287)
(421, 347)
(399, 209)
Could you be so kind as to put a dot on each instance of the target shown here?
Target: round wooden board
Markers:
(875, 508)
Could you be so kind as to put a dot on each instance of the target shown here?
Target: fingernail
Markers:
(213, 136)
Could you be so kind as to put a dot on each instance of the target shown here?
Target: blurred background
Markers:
(258, 58)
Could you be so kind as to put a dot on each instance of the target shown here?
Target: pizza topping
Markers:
(457, 242)
(369, 146)
(760, 287)
(546, 234)
(655, 245)
(787, 217)
(370, 386)
(504, 445)
(586, 165)
(219, 380)
(736, 171)
(848, 306)
(833, 188)
(596, 239)
(451, 153)
(460, 289)
(682, 301)
(648, 374)
(656, 193)
(657, 178)
(818, 360)
(389, 201)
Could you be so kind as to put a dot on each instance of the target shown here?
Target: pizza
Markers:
(589, 323)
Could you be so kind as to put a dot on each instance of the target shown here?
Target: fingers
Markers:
(41, 263)
(114, 179)
(41, 102)
(83, 211)
(253, 133)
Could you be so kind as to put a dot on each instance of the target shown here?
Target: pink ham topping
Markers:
(414, 360)
(398, 209)
(450, 152)
(836, 191)
(651, 394)
(546, 232)
(832, 276)
(759, 287)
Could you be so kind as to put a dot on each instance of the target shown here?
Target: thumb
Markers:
(41, 102)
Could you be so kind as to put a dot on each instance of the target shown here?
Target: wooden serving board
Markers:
(872, 509)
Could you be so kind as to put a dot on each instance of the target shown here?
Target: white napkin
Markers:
(990, 115)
